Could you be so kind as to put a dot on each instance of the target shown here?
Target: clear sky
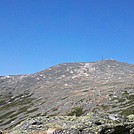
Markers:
(37, 34)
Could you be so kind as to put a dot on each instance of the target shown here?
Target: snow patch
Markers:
(71, 72)
(67, 69)
(84, 70)
(22, 76)
(63, 76)
(7, 76)
(38, 78)
(4, 77)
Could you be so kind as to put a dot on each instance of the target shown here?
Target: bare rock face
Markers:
(68, 89)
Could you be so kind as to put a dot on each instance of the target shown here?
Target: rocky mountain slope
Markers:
(68, 89)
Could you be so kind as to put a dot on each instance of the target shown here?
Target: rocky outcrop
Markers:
(68, 89)
(89, 124)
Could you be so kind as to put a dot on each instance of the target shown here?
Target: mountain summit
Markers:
(67, 89)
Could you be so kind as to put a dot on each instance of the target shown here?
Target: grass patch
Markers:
(120, 100)
(131, 97)
(105, 107)
(125, 94)
(77, 111)
(128, 111)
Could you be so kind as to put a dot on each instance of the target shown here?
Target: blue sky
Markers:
(37, 34)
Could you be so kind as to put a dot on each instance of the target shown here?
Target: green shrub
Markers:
(77, 111)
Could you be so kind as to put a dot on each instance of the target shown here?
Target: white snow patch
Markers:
(79, 75)
(63, 76)
(71, 72)
(84, 70)
(87, 65)
(67, 69)
(6, 77)
(12, 122)
(33, 76)
(17, 99)
(38, 78)
(22, 96)
(115, 96)
(3, 78)
(22, 76)
(113, 117)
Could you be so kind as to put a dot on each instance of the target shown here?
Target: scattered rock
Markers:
(72, 89)
(91, 123)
